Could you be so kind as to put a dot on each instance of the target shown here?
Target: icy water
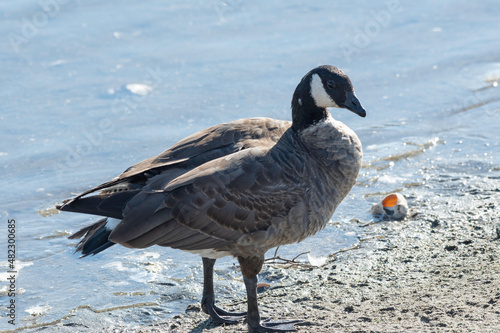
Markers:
(89, 88)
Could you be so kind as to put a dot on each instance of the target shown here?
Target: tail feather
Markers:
(110, 204)
(95, 238)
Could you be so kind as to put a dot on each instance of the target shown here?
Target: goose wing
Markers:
(227, 201)
(193, 151)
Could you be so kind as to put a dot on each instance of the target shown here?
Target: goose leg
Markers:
(208, 306)
(248, 268)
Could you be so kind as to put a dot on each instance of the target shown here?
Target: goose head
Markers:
(322, 88)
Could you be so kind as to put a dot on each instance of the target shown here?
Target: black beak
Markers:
(352, 103)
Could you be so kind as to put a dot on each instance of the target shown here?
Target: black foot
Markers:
(218, 315)
(275, 326)
(221, 316)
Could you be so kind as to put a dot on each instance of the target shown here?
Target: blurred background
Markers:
(89, 88)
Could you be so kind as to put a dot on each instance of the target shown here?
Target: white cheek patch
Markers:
(319, 94)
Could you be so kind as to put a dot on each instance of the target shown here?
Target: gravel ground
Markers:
(436, 271)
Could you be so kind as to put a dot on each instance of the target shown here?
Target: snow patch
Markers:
(139, 89)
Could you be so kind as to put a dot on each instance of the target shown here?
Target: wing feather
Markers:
(207, 191)
(216, 203)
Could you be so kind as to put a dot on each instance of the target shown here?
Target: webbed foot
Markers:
(222, 316)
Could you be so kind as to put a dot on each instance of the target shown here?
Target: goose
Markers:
(235, 189)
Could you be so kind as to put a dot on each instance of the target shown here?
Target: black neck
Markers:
(304, 111)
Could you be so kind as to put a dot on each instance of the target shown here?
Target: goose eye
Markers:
(331, 84)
